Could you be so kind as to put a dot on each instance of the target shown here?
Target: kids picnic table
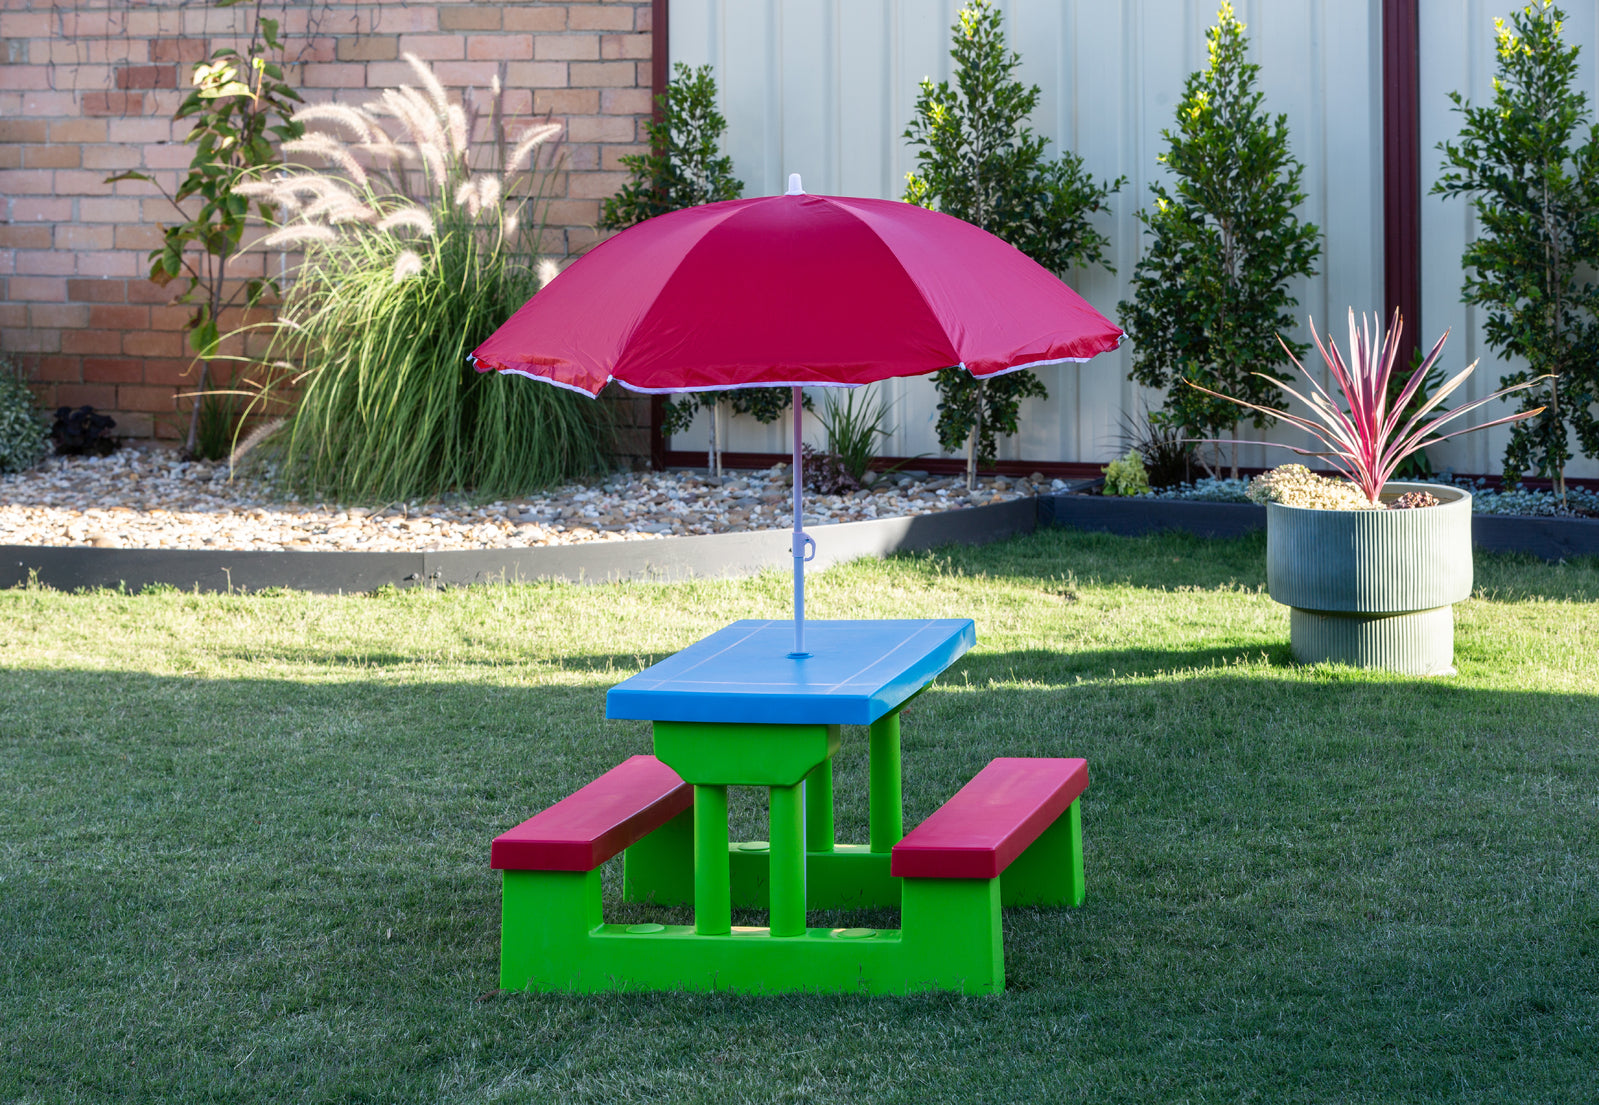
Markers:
(738, 709)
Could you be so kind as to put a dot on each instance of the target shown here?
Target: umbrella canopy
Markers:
(794, 290)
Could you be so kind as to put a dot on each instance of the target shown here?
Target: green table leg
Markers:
(886, 812)
(819, 808)
(787, 854)
(713, 902)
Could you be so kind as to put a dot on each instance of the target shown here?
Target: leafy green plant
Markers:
(239, 103)
(1535, 193)
(409, 262)
(978, 160)
(1367, 437)
(1211, 293)
(684, 168)
(24, 437)
(1167, 455)
(853, 432)
(1126, 475)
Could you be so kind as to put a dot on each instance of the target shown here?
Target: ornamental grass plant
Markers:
(416, 241)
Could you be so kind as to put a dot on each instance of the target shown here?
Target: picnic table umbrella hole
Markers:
(794, 291)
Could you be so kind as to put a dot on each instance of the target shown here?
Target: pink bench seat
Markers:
(991, 820)
(585, 829)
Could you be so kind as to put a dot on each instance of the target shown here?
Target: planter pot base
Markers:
(1420, 642)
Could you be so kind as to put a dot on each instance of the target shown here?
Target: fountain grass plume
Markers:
(415, 243)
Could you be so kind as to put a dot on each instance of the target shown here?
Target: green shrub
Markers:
(407, 267)
(978, 160)
(1533, 183)
(1211, 294)
(24, 435)
(1127, 476)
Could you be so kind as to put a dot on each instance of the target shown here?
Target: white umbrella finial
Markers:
(794, 186)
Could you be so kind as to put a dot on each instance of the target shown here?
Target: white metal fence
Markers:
(826, 88)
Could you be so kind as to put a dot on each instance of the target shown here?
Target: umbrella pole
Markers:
(800, 540)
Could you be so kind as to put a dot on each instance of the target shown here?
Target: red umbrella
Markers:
(794, 290)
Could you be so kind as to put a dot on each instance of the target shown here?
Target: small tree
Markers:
(1211, 294)
(684, 168)
(978, 160)
(1535, 193)
(239, 104)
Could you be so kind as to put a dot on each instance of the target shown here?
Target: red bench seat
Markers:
(991, 820)
(585, 829)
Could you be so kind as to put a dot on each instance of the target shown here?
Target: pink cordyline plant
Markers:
(1366, 441)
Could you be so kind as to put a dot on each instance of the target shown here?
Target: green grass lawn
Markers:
(244, 844)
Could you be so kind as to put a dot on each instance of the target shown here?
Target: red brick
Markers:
(335, 76)
(537, 74)
(469, 19)
(48, 105)
(98, 396)
(56, 369)
(611, 156)
(33, 236)
(175, 317)
(600, 17)
(152, 343)
(539, 20)
(30, 340)
(27, 182)
(401, 18)
(172, 372)
(44, 262)
(52, 157)
(23, 130)
(26, 77)
(626, 101)
(73, 236)
(625, 46)
(96, 291)
(59, 315)
(109, 209)
(77, 130)
(147, 76)
(146, 291)
(181, 51)
(581, 157)
(433, 48)
(39, 209)
(113, 370)
(18, 24)
(101, 342)
(566, 101)
(37, 289)
(603, 74)
(119, 316)
(601, 128)
(152, 399)
(113, 103)
(369, 48)
(136, 424)
(11, 157)
(501, 47)
(112, 263)
(567, 48)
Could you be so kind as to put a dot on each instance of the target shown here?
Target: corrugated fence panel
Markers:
(826, 88)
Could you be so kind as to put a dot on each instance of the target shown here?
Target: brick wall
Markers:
(88, 88)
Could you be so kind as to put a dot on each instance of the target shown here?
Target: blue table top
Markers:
(856, 672)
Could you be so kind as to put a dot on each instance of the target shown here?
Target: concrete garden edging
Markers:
(68, 568)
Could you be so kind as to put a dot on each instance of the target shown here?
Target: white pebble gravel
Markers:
(148, 498)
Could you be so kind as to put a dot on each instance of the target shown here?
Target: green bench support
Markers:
(1013, 835)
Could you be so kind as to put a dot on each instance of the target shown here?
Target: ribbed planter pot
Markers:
(1373, 588)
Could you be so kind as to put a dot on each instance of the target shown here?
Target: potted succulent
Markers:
(1369, 568)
